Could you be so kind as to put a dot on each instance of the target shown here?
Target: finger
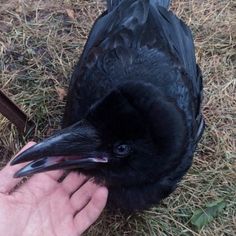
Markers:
(92, 211)
(6, 174)
(53, 174)
(39, 184)
(73, 181)
(83, 195)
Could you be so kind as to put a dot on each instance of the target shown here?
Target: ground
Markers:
(40, 42)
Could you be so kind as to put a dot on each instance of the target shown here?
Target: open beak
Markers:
(74, 147)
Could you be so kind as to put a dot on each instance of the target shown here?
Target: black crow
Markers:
(132, 119)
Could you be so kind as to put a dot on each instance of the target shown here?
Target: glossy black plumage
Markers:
(137, 82)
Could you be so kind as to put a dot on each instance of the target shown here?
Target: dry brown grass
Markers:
(40, 43)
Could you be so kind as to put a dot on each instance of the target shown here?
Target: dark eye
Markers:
(122, 150)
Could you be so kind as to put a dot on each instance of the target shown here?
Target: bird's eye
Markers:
(122, 150)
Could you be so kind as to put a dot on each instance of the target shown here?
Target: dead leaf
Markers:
(61, 93)
(202, 217)
(70, 13)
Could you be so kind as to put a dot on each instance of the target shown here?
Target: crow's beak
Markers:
(73, 147)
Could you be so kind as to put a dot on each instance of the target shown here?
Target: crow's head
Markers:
(132, 135)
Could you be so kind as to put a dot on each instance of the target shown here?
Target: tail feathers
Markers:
(111, 4)
(162, 3)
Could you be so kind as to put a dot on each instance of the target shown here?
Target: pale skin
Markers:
(43, 206)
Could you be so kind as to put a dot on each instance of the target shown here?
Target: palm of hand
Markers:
(43, 206)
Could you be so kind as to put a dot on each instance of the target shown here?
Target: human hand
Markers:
(44, 207)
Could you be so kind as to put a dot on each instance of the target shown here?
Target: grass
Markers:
(40, 41)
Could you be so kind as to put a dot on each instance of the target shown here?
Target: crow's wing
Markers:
(180, 41)
(137, 23)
